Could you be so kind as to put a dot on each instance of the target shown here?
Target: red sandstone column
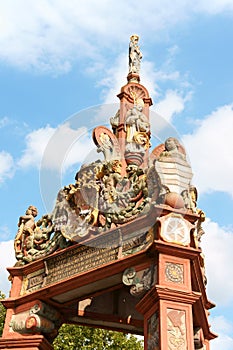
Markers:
(168, 323)
(130, 95)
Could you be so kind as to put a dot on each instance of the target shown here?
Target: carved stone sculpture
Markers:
(26, 226)
(175, 173)
(139, 282)
(135, 55)
(171, 149)
(39, 318)
(135, 122)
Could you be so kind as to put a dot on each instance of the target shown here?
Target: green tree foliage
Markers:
(77, 338)
(2, 313)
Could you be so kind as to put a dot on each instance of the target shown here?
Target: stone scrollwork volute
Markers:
(139, 282)
(41, 318)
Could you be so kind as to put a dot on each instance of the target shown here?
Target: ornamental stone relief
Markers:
(174, 273)
(153, 332)
(176, 330)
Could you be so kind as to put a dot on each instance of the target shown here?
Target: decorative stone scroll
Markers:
(140, 281)
(40, 318)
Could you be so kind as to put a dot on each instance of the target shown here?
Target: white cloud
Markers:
(151, 76)
(173, 103)
(223, 342)
(224, 330)
(7, 259)
(66, 147)
(57, 148)
(4, 232)
(6, 166)
(115, 77)
(51, 35)
(213, 6)
(210, 149)
(217, 246)
(82, 150)
(36, 142)
(222, 324)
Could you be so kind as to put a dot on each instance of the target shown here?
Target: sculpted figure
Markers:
(44, 229)
(28, 220)
(30, 251)
(190, 198)
(110, 180)
(107, 147)
(135, 122)
(171, 149)
(40, 243)
(135, 55)
(26, 226)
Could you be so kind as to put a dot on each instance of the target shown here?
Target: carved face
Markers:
(170, 144)
(32, 211)
(139, 108)
(134, 38)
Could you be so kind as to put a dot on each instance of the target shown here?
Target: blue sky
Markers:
(59, 58)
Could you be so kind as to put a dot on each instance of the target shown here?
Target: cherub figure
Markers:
(26, 226)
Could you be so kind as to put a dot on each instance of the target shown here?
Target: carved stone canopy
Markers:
(112, 192)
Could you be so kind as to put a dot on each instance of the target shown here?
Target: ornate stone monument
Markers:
(121, 248)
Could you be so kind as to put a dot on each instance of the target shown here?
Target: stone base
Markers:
(133, 78)
(36, 342)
